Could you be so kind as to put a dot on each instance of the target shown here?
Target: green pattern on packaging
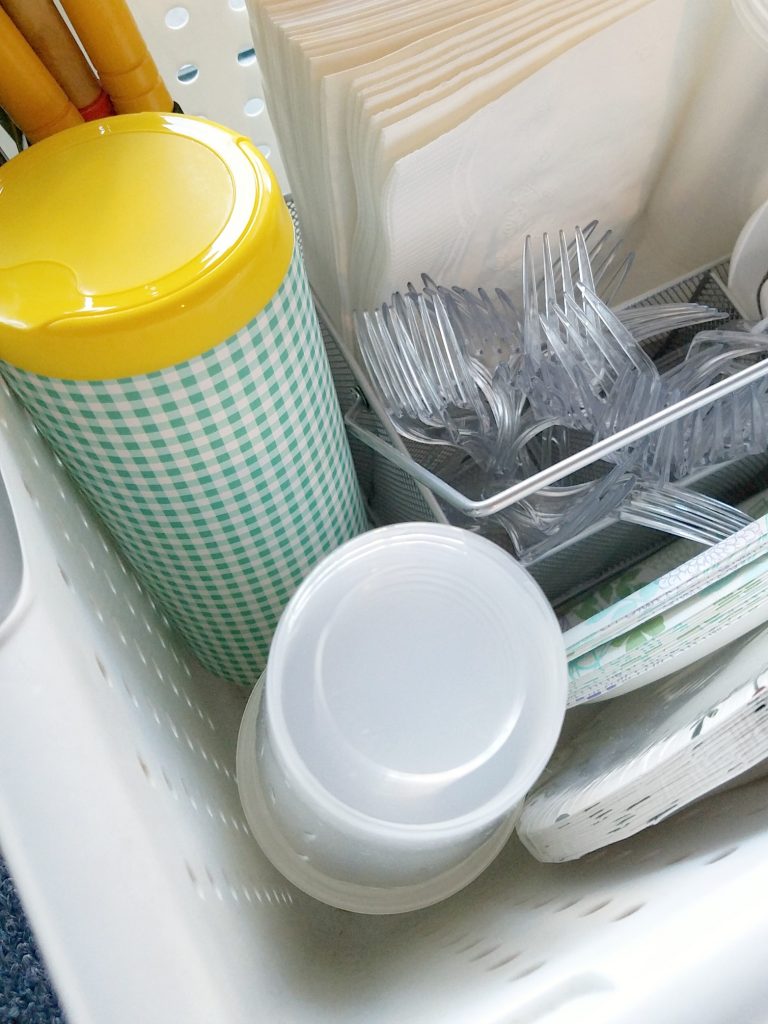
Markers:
(224, 479)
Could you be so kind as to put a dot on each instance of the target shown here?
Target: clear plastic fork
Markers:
(648, 321)
(446, 411)
(682, 513)
(557, 514)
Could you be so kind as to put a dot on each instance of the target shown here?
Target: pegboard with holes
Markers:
(120, 819)
(204, 51)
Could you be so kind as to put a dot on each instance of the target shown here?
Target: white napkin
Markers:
(582, 137)
(716, 174)
(478, 72)
(301, 47)
(403, 66)
(447, 72)
(433, 136)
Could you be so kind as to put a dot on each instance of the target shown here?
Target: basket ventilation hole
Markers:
(187, 73)
(253, 106)
(177, 17)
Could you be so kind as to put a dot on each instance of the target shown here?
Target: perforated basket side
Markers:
(120, 819)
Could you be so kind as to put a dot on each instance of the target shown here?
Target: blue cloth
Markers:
(26, 996)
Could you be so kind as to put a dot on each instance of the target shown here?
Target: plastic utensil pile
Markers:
(515, 390)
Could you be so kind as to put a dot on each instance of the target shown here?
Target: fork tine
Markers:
(439, 355)
(612, 287)
(389, 355)
(689, 528)
(614, 357)
(464, 384)
(531, 326)
(563, 265)
(565, 268)
(569, 372)
(502, 326)
(600, 267)
(588, 340)
(488, 306)
(434, 359)
(397, 302)
(647, 321)
(695, 504)
(421, 323)
(412, 322)
(554, 339)
(676, 506)
(616, 329)
(583, 261)
(362, 336)
(549, 277)
(425, 400)
(720, 511)
(590, 229)
(508, 305)
(597, 247)
(378, 368)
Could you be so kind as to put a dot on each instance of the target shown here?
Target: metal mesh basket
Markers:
(394, 495)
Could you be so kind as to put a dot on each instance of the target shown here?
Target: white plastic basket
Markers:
(120, 820)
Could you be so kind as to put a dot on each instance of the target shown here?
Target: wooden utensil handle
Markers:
(28, 91)
(46, 32)
(117, 50)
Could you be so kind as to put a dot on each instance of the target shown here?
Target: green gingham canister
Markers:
(156, 322)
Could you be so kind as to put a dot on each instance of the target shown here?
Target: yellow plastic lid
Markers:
(135, 243)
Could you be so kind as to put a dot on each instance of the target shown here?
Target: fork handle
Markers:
(682, 513)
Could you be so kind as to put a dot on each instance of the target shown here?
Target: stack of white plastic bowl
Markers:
(415, 689)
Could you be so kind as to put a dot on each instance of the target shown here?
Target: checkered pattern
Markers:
(225, 479)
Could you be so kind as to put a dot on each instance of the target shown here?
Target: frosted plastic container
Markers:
(415, 690)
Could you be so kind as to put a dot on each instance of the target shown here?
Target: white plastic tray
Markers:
(120, 821)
